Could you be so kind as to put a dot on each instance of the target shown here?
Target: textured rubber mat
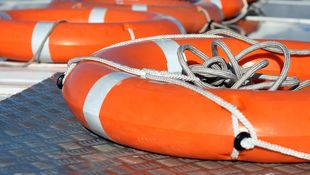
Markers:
(39, 135)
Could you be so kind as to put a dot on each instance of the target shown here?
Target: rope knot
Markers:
(143, 73)
(248, 143)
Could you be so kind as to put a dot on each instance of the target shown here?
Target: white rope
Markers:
(208, 18)
(223, 32)
(131, 33)
(250, 143)
(235, 124)
(189, 81)
(174, 36)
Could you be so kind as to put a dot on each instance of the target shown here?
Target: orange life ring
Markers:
(169, 119)
(69, 40)
(192, 17)
(230, 8)
(148, 2)
(248, 27)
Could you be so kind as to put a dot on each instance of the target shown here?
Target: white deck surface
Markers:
(16, 79)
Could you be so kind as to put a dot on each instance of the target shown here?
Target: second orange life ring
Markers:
(68, 40)
(128, 2)
(229, 8)
(193, 18)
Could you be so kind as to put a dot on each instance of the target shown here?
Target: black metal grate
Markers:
(39, 135)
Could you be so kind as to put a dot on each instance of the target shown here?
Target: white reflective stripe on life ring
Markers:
(170, 48)
(95, 98)
(139, 7)
(119, 1)
(97, 15)
(39, 33)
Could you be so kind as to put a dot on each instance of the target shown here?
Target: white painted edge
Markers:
(177, 23)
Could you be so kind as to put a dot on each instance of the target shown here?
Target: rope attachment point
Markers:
(238, 140)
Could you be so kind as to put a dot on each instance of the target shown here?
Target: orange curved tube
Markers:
(81, 15)
(75, 39)
(170, 119)
(148, 2)
(230, 8)
(190, 16)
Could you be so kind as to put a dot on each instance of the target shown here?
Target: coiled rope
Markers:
(223, 32)
(215, 72)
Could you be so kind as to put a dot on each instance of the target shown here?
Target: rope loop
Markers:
(215, 72)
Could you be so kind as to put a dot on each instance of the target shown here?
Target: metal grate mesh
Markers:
(39, 135)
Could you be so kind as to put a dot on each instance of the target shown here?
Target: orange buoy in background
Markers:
(126, 2)
(147, 2)
(248, 27)
(229, 8)
(89, 15)
(170, 119)
(66, 40)
(191, 17)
